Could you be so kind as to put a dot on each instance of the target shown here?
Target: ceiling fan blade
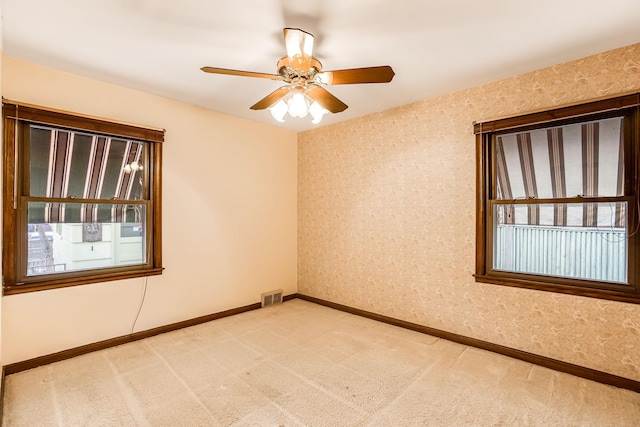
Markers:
(214, 70)
(271, 99)
(382, 74)
(299, 46)
(327, 100)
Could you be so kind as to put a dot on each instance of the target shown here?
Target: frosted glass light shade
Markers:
(317, 111)
(278, 110)
(299, 46)
(297, 104)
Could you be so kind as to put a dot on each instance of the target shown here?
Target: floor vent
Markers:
(271, 298)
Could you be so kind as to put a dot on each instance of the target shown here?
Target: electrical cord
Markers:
(144, 294)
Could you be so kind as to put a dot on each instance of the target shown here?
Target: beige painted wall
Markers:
(386, 220)
(229, 218)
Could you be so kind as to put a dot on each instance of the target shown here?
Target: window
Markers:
(558, 202)
(81, 200)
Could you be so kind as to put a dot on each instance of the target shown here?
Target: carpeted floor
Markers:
(303, 364)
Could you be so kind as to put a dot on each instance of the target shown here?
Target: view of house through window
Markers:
(56, 248)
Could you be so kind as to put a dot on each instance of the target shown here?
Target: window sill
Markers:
(630, 296)
(76, 281)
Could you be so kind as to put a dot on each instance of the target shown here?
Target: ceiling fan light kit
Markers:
(298, 104)
(304, 93)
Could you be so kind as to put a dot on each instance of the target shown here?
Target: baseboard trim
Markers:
(547, 362)
(113, 342)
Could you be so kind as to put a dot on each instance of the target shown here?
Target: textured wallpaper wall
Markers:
(386, 220)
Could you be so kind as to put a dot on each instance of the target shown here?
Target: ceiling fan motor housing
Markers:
(291, 70)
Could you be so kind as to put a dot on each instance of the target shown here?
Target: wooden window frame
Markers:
(627, 106)
(17, 116)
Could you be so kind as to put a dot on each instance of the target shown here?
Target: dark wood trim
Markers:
(47, 116)
(156, 201)
(567, 112)
(113, 342)
(481, 196)
(85, 279)
(8, 203)
(290, 297)
(547, 362)
(563, 286)
(566, 200)
(43, 199)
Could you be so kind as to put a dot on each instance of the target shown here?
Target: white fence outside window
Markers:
(576, 252)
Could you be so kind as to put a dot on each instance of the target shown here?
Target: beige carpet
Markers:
(303, 364)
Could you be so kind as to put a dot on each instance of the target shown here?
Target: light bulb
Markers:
(278, 110)
(317, 111)
(133, 167)
(298, 105)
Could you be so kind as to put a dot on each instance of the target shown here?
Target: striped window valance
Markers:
(76, 165)
(584, 159)
(77, 213)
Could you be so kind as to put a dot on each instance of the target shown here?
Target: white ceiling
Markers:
(434, 46)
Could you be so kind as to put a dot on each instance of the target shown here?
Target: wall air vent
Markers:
(271, 298)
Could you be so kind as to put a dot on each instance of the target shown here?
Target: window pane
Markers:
(65, 246)
(596, 252)
(72, 164)
(557, 162)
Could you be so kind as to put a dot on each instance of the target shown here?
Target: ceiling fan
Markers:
(305, 93)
